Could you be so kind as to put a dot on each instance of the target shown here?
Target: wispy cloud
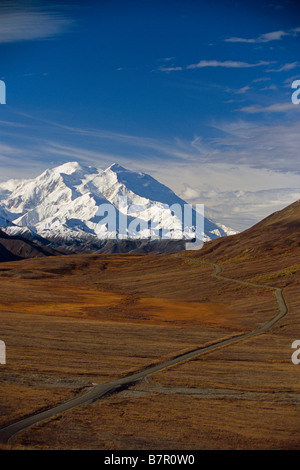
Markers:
(240, 143)
(20, 22)
(270, 87)
(286, 67)
(226, 63)
(266, 37)
(230, 64)
(262, 79)
(273, 108)
(83, 155)
(12, 124)
(243, 90)
(169, 69)
(241, 209)
(273, 146)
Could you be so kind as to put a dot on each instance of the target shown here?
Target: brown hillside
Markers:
(13, 248)
(277, 233)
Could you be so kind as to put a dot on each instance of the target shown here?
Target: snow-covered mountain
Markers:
(4, 218)
(83, 206)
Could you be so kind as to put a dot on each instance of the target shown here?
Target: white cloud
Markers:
(243, 90)
(232, 64)
(273, 36)
(226, 64)
(271, 87)
(267, 37)
(262, 79)
(286, 67)
(21, 23)
(168, 59)
(242, 209)
(169, 69)
(236, 195)
(274, 146)
(189, 194)
(273, 108)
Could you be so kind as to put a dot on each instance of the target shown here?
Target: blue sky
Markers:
(196, 93)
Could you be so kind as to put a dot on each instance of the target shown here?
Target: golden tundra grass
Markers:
(69, 322)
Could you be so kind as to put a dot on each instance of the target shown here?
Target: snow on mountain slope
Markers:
(4, 218)
(70, 203)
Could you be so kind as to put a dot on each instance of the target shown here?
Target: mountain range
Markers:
(66, 208)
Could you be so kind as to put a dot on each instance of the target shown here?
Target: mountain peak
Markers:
(117, 168)
(64, 203)
(68, 168)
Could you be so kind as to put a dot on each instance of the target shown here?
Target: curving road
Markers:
(99, 391)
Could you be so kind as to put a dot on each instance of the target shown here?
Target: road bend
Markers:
(101, 390)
